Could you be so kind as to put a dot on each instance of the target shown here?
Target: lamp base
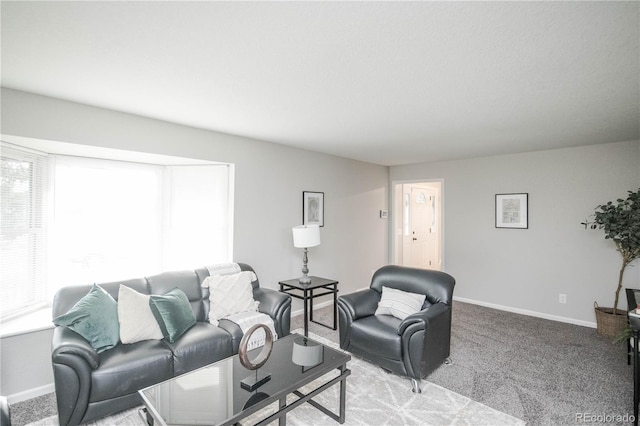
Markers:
(305, 279)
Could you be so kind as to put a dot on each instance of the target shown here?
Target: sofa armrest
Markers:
(277, 305)
(73, 361)
(68, 342)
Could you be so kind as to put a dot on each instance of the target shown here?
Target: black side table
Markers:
(324, 285)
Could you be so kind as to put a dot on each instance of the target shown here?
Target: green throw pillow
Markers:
(94, 317)
(173, 313)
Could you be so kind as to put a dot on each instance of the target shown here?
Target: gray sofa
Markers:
(91, 385)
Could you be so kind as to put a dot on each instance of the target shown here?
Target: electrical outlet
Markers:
(562, 298)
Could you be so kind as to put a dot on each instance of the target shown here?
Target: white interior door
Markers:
(421, 233)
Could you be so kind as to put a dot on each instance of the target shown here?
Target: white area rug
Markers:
(374, 397)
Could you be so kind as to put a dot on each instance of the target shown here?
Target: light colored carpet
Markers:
(541, 371)
(374, 397)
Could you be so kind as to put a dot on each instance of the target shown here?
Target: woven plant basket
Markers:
(609, 324)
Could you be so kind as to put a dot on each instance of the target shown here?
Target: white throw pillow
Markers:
(230, 294)
(399, 303)
(137, 322)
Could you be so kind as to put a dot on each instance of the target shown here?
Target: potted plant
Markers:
(621, 223)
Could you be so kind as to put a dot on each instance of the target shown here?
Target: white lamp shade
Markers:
(305, 236)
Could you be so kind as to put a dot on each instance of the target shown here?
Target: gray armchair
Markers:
(412, 347)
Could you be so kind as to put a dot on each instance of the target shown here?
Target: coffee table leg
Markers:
(282, 421)
(343, 396)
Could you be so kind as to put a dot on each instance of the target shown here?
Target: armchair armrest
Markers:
(351, 307)
(360, 304)
(68, 342)
(425, 317)
(426, 339)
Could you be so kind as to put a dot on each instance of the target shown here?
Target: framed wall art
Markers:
(512, 211)
(313, 208)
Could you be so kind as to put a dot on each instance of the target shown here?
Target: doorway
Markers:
(418, 224)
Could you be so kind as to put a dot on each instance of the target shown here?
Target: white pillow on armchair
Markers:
(399, 303)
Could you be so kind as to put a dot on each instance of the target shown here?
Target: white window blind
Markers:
(198, 216)
(105, 220)
(22, 235)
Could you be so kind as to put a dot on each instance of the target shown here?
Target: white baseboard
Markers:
(490, 305)
(315, 306)
(31, 393)
(527, 312)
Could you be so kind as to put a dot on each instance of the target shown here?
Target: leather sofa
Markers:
(91, 385)
(413, 346)
(5, 412)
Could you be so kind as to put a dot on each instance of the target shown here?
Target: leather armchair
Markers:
(412, 347)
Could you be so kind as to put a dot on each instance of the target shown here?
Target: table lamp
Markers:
(305, 236)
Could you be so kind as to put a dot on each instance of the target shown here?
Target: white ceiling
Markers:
(384, 82)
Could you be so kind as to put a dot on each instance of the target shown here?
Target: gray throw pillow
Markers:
(94, 317)
(173, 313)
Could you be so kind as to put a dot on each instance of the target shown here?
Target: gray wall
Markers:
(269, 180)
(516, 269)
(525, 270)
(25, 365)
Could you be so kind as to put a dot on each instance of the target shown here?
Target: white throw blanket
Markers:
(223, 269)
(246, 320)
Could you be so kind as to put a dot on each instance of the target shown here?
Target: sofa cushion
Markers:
(95, 318)
(127, 368)
(173, 313)
(137, 322)
(201, 345)
(377, 334)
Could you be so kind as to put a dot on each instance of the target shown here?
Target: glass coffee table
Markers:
(216, 395)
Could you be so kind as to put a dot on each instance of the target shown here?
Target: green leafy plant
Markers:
(624, 335)
(621, 223)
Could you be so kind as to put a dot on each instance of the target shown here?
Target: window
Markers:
(22, 236)
(105, 220)
(198, 216)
